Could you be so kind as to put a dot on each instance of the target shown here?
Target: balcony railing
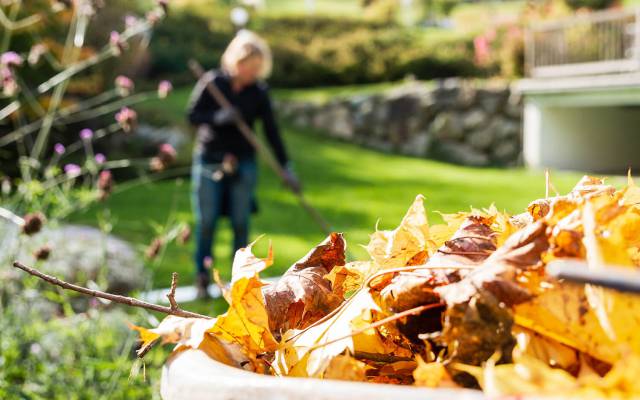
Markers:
(597, 43)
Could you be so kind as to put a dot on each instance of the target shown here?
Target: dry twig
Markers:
(130, 301)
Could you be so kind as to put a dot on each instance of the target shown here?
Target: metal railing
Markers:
(595, 43)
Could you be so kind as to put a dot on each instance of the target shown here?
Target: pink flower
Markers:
(116, 42)
(481, 47)
(124, 85)
(10, 58)
(86, 134)
(59, 148)
(130, 20)
(72, 170)
(127, 118)
(100, 158)
(166, 156)
(8, 81)
(164, 87)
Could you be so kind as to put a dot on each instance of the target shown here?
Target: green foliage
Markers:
(591, 4)
(314, 51)
(72, 356)
(184, 36)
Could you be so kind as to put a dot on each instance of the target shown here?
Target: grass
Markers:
(351, 186)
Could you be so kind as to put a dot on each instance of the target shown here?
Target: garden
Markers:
(412, 253)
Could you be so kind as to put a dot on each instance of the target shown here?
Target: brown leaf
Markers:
(303, 294)
(473, 242)
(478, 320)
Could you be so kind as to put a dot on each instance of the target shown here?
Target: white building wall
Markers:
(586, 138)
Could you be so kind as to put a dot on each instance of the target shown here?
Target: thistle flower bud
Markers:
(10, 59)
(105, 184)
(86, 134)
(165, 157)
(154, 248)
(127, 119)
(124, 85)
(42, 253)
(164, 87)
(59, 148)
(116, 43)
(130, 20)
(72, 170)
(33, 223)
(8, 81)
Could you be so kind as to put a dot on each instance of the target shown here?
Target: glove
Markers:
(291, 180)
(225, 116)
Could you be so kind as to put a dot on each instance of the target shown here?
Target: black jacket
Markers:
(252, 102)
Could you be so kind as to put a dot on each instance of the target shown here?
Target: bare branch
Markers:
(130, 301)
(172, 291)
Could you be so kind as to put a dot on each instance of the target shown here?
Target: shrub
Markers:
(591, 4)
(315, 51)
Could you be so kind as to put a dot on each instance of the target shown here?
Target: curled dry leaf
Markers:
(473, 242)
(303, 295)
(309, 352)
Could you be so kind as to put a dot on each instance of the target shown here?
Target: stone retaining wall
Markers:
(455, 121)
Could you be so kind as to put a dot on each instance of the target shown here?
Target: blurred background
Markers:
(466, 102)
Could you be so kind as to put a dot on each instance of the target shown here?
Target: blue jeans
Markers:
(207, 198)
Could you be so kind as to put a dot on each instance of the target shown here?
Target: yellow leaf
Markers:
(529, 376)
(600, 322)
(247, 265)
(345, 368)
(547, 350)
(432, 375)
(390, 249)
(246, 322)
(346, 279)
(526, 377)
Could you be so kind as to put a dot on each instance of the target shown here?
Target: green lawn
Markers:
(351, 186)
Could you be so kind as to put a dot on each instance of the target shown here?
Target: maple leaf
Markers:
(390, 249)
(303, 295)
(192, 333)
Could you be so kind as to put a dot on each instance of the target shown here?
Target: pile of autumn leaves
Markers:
(462, 304)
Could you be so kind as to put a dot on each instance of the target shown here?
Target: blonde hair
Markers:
(246, 44)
